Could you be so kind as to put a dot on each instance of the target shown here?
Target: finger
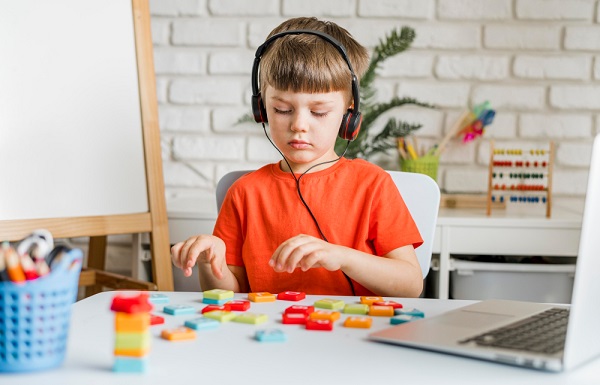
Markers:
(277, 257)
(184, 251)
(191, 251)
(311, 261)
(300, 252)
(280, 256)
(279, 260)
(175, 253)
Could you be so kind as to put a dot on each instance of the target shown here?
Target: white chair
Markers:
(421, 195)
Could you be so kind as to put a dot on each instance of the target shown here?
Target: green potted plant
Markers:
(368, 144)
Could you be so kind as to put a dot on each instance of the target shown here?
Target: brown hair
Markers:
(308, 63)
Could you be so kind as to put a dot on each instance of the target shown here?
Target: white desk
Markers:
(230, 355)
(505, 232)
(459, 231)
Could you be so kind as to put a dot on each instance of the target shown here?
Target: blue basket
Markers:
(35, 315)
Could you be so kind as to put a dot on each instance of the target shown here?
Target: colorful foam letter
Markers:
(178, 334)
(239, 305)
(328, 303)
(293, 318)
(319, 324)
(201, 323)
(356, 308)
(218, 294)
(358, 322)
(251, 318)
(291, 296)
(270, 335)
(262, 297)
(179, 309)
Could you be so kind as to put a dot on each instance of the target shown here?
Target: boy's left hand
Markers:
(306, 252)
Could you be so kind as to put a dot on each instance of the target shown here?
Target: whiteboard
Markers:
(71, 140)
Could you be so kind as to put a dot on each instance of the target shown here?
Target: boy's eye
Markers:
(278, 111)
(319, 114)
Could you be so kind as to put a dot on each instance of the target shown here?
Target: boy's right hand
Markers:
(203, 248)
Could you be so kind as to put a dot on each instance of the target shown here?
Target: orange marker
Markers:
(13, 267)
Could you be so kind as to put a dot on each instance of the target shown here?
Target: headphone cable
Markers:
(297, 179)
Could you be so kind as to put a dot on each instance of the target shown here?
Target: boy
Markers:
(315, 221)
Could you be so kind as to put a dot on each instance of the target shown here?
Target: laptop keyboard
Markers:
(542, 333)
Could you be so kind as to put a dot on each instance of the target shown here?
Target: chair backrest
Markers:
(420, 193)
(422, 197)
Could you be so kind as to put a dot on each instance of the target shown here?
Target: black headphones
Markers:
(351, 119)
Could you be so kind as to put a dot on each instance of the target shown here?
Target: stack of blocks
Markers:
(132, 335)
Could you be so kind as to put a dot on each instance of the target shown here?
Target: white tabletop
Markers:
(230, 355)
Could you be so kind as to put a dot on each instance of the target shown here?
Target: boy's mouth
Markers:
(299, 144)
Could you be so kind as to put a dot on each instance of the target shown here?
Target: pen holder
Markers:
(427, 165)
(35, 316)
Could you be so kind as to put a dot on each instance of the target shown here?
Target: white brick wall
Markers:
(475, 9)
(582, 38)
(522, 37)
(476, 67)
(514, 97)
(556, 126)
(536, 61)
(555, 9)
(408, 9)
(575, 97)
(243, 7)
(330, 8)
(553, 67)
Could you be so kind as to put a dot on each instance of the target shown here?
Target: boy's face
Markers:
(305, 126)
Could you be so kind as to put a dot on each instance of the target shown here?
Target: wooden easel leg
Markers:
(162, 271)
(96, 260)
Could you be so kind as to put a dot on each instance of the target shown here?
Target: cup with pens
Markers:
(38, 285)
(414, 159)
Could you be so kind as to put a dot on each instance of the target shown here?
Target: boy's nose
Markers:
(299, 122)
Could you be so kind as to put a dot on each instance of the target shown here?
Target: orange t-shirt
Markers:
(355, 202)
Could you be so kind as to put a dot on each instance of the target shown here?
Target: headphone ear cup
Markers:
(258, 109)
(350, 125)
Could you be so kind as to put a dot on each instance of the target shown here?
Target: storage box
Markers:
(35, 316)
(515, 281)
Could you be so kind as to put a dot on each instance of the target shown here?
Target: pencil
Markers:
(401, 151)
(411, 151)
(416, 145)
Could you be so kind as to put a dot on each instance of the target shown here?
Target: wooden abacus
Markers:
(521, 166)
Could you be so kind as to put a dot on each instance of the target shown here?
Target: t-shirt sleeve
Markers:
(229, 228)
(392, 225)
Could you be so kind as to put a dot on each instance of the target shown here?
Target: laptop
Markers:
(504, 331)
